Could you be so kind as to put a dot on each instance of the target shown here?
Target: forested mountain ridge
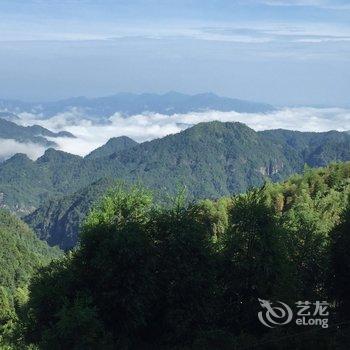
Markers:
(210, 159)
(25, 183)
(317, 149)
(115, 144)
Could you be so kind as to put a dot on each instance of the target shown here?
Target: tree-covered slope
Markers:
(210, 159)
(115, 144)
(191, 275)
(316, 149)
(58, 220)
(25, 183)
(21, 253)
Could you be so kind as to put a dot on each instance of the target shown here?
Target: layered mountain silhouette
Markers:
(130, 104)
(35, 133)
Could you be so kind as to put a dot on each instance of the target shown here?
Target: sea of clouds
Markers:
(9, 147)
(148, 126)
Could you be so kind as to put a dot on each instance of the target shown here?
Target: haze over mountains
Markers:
(34, 133)
(93, 121)
(162, 141)
(12, 134)
(129, 104)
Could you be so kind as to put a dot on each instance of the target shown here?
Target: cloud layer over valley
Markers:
(148, 126)
(9, 147)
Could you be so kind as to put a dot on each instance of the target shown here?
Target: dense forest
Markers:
(188, 275)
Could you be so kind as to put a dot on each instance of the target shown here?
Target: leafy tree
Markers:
(107, 281)
(308, 248)
(185, 306)
(253, 259)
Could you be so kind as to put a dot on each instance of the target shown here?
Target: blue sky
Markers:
(281, 52)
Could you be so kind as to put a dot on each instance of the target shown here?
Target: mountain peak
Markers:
(52, 154)
(113, 145)
(120, 139)
(18, 158)
(219, 126)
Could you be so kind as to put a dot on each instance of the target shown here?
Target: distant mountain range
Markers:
(130, 104)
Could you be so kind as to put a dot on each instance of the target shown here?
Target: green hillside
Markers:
(58, 220)
(21, 253)
(210, 159)
(190, 275)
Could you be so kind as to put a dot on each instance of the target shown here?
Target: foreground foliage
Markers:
(189, 276)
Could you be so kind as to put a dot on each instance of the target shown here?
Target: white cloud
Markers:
(325, 4)
(276, 32)
(9, 147)
(254, 31)
(148, 126)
